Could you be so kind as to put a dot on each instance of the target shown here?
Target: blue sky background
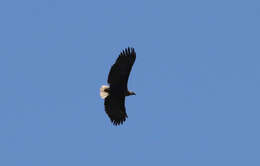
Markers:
(196, 77)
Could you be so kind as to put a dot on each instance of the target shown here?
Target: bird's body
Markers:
(114, 94)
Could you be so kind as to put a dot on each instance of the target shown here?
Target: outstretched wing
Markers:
(120, 71)
(115, 109)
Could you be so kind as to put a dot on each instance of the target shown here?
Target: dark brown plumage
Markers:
(117, 90)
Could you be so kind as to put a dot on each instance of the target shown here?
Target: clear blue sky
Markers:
(196, 78)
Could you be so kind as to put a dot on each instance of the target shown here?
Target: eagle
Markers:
(114, 94)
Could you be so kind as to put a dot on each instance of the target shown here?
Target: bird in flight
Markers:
(114, 94)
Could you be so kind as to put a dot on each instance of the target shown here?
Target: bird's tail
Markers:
(103, 93)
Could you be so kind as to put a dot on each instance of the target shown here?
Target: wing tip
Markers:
(128, 52)
(118, 122)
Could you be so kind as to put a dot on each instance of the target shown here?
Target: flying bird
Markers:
(114, 94)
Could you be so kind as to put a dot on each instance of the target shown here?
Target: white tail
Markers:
(103, 93)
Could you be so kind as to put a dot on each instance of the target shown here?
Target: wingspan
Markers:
(117, 79)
